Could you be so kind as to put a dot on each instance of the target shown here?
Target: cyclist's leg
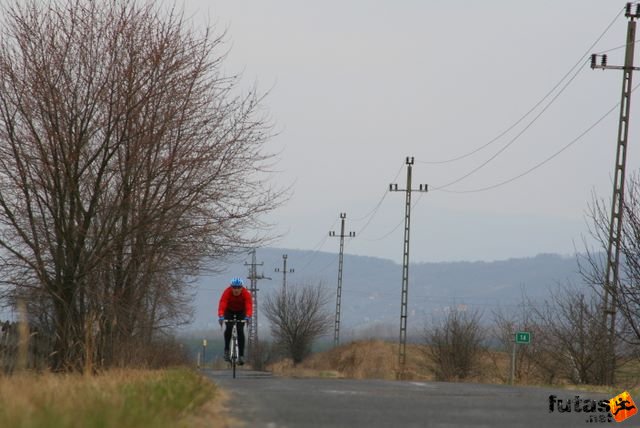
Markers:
(227, 336)
(240, 338)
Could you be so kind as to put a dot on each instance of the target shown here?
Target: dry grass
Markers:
(375, 359)
(378, 359)
(119, 398)
(212, 414)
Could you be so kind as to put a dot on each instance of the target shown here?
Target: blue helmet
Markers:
(236, 282)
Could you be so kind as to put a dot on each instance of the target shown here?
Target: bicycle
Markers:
(233, 351)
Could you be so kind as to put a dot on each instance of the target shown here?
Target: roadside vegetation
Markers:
(130, 163)
(378, 359)
(129, 398)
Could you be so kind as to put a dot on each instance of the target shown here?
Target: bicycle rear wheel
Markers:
(234, 356)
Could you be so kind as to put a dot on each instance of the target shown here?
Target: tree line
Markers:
(570, 341)
(126, 157)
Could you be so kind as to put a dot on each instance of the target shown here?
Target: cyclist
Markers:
(235, 302)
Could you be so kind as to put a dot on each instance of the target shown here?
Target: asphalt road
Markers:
(261, 400)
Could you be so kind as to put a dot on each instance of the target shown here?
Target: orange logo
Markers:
(622, 407)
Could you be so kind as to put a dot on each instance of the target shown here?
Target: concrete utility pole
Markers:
(253, 288)
(284, 273)
(336, 331)
(610, 295)
(402, 356)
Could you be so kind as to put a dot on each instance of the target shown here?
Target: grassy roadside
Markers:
(377, 359)
(129, 399)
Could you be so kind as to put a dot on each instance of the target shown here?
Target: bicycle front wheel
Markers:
(234, 356)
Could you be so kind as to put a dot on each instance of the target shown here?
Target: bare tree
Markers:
(594, 264)
(298, 317)
(454, 345)
(261, 354)
(125, 158)
(569, 336)
(628, 297)
(531, 359)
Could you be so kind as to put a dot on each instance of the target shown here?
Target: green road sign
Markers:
(523, 337)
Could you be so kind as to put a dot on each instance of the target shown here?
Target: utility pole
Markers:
(610, 294)
(402, 355)
(253, 288)
(284, 273)
(336, 331)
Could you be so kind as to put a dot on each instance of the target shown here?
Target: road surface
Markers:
(261, 400)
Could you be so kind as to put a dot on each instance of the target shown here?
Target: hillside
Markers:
(372, 286)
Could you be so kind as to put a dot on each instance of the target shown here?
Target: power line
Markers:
(616, 48)
(493, 140)
(316, 249)
(538, 165)
(513, 140)
(397, 225)
(370, 215)
(375, 209)
(447, 300)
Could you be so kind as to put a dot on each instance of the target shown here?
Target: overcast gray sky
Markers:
(356, 86)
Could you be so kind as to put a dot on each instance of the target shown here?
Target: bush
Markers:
(454, 345)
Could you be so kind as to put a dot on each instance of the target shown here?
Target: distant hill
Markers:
(372, 286)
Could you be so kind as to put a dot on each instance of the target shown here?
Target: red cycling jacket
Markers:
(241, 303)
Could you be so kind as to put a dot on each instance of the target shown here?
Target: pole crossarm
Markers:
(603, 64)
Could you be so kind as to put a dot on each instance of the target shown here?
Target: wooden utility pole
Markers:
(610, 292)
(336, 330)
(402, 354)
(284, 273)
(253, 288)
